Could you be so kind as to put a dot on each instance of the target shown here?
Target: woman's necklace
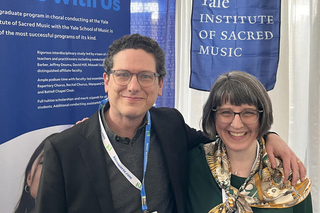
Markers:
(246, 173)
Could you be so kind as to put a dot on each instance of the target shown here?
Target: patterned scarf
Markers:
(264, 187)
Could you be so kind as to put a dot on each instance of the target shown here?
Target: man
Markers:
(129, 156)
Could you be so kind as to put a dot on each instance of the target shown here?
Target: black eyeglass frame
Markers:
(131, 75)
(238, 113)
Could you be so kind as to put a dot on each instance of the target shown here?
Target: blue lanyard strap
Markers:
(114, 157)
(145, 161)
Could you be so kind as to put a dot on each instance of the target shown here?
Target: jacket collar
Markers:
(93, 154)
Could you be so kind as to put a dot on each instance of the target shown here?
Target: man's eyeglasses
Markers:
(145, 78)
(247, 116)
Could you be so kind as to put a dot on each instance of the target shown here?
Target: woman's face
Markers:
(33, 177)
(236, 135)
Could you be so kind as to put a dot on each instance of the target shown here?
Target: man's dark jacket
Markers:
(75, 177)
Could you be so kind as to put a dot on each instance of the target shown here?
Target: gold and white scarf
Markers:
(264, 187)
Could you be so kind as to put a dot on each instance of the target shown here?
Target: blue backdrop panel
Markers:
(234, 35)
(156, 19)
(51, 53)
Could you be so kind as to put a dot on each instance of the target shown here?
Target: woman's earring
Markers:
(27, 188)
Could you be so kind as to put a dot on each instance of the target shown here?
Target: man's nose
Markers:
(134, 84)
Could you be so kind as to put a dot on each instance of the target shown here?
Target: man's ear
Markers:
(106, 82)
(160, 86)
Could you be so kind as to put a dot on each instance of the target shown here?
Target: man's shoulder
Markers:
(79, 132)
(165, 112)
(167, 119)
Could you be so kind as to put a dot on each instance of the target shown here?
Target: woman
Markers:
(234, 174)
(31, 180)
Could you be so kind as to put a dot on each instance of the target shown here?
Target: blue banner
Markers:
(234, 35)
(51, 53)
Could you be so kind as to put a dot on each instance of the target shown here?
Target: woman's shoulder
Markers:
(305, 206)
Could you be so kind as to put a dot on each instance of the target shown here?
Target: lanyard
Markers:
(114, 157)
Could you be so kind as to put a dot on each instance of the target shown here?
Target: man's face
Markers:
(132, 101)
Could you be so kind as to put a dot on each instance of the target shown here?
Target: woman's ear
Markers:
(29, 179)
